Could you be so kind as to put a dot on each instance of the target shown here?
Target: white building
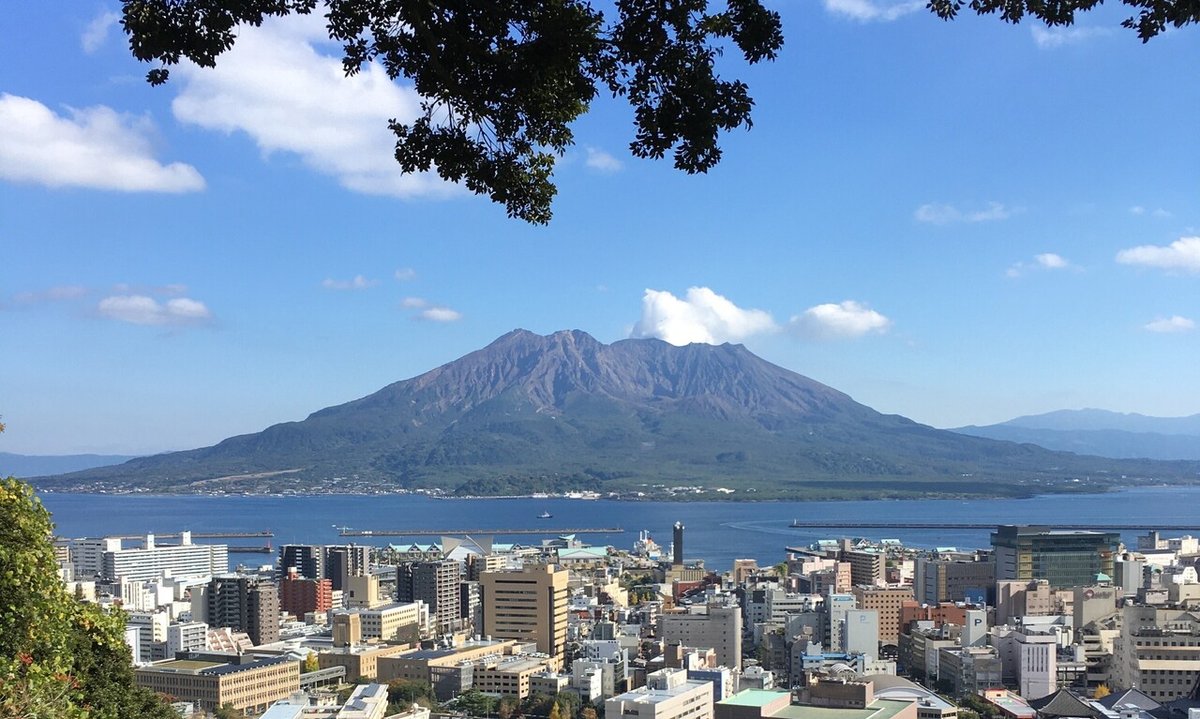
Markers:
(668, 694)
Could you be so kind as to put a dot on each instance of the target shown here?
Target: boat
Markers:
(545, 515)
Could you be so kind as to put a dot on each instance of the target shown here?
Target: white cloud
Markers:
(1158, 212)
(96, 32)
(413, 303)
(405, 274)
(357, 283)
(95, 147)
(439, 314)
(144, 310)
(936, 213)
(278, 88)
(1137, 210)
(870, 10)
(601, 161)
(1051, 37)
(702, 316)
(1182, 254)
(1171, 324)
(844, 320)
(1043, 261)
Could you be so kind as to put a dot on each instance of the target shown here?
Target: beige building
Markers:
(1157, 651)
(390, 621)
(528, 606)
(886, 601)
(511, 676)
(247, 682)
(420, 665)
(361, 660)
(667, 695)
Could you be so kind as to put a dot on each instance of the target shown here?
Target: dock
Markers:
(544, 531)
(857, 524)
(265, 534)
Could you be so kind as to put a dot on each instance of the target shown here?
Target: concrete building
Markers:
(887, 603)
(967, 670)
(246, 682)
(241, 602)
(360, 660)
(110, 560)
(713, 626)
(300, 595)
(528, 606)
(937, 579)
(307, 559)
(1157, 651)
(449, 671)
(186, 637)
(860, 632)
(510, 676)
(1064, 558)
(152, 633)
(350, 560)
(668, 694)
(394, 622)
(437, 585)
(867, 566)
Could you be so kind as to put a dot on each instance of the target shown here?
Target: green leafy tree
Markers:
(502, 82)
(475, 703)
(587, 712)
(406, 692)
(228, 712)
(1151, 17)
(311, 663)
(58, 657)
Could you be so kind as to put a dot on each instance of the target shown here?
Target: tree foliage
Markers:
(59, 657)
(502, 81)
(1152, 16)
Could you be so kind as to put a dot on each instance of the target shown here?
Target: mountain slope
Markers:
(33, 465)
(1102, 433)
(565, 411)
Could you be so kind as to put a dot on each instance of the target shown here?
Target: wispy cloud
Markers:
(701, 316)
(96, 33)
(144, 310)
(1049, 38)
(278, 88)
(844, 320)
(1043, 261)
(601, 161)
(51, 294)
(405, 274)
(873, 10)
(95, 147)
(358, 282)
(936, 213)
(1181, 255)
(1168, 325)
(1158, 212)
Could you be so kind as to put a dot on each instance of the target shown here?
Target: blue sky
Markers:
(959, 222)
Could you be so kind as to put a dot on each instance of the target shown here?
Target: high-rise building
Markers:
(716, 626)
(867, 567)
(668, 694)
(307, 559)
(244, 603)
(677, 545)
(939, 580)
(350, 560)
(529, 606)
(886, 601)
(436, 584)
(299, 595)
(1061, 557)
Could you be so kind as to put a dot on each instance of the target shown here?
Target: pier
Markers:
(265, 534)
(547, 531)
(857, 524)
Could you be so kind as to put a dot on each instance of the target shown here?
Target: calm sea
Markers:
(717, 532)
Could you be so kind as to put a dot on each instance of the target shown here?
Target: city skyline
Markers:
(960, 223)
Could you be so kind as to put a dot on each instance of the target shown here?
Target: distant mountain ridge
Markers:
(1102, 433)
(32, 465)
(565, 411)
